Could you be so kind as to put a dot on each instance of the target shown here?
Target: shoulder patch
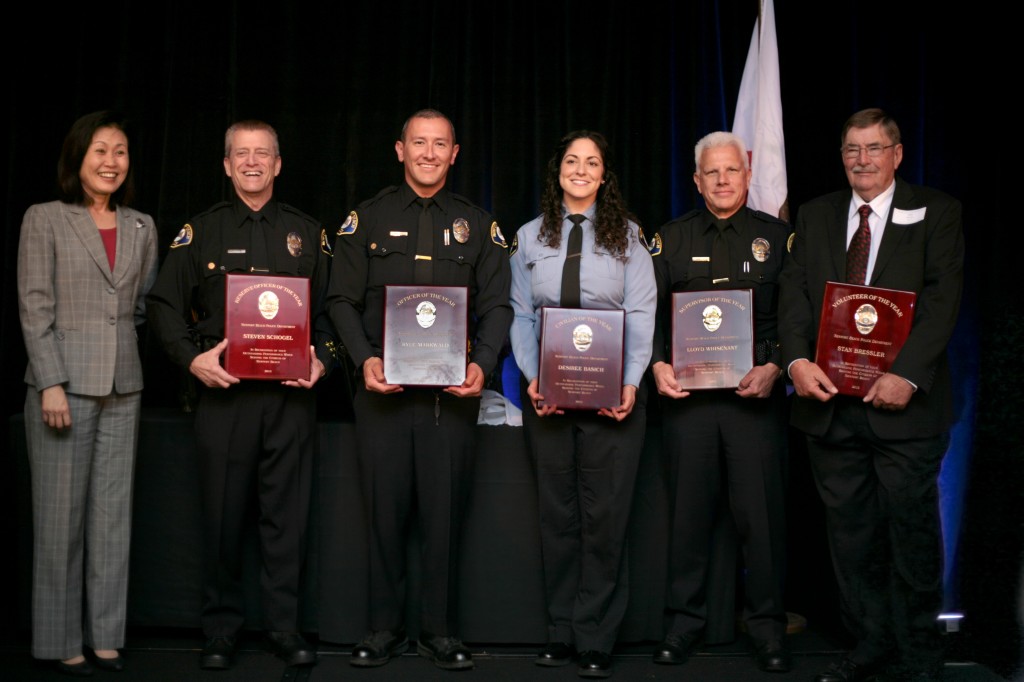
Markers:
(184, 237)
(643, 239)
(496, 236)
(789, 242)
(350, 224)
(325, 244)
(515, 245)
(655, 245)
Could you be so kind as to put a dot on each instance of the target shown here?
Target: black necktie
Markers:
(720, 260)
(258, 258)
(860, 249)
(423, 271)
(571, 268)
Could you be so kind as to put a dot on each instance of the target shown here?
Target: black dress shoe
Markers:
(447, 653)
(80, 669)
(218, 653)
(595, 664)
(674, 650)
(774, 657)
(379, 647)
(848, 671)
(291, 648)
(115, 664)
(556, 654)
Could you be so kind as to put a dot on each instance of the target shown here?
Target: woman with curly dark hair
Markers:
(585, 461)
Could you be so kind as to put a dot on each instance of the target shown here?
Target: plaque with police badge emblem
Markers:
(581, 357)
(861, 332)
(266, 322)
(425, 335)
(712, 337)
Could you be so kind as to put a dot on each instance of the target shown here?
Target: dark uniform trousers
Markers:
(586, 467)
(415, 447)
(882, 510)
(253, 431)
(710, 435)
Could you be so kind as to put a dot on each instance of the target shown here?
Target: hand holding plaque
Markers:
(266, 323)
(581, 357)
(861, 332)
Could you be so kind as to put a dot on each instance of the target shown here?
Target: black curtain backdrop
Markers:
(338, 79)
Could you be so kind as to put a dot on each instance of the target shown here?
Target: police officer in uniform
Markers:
(250, 434)
(416, 445)
(740, 432)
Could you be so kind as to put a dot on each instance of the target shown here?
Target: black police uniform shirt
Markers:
(376, 247)
(682, 252)
(192, 280)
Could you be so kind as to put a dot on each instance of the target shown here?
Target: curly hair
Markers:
(611, 219)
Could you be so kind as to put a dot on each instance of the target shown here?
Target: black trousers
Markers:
(726, 448)
(416, 451)
(586, 468)
(254, 439)
(882, 518)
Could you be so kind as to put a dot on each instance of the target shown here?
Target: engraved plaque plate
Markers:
(861, 332)
(266, 323)
(425, 335)
(581, 357)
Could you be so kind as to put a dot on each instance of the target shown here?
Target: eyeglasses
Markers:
(873, 150)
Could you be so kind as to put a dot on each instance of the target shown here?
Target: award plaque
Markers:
(266, 323)
(581, 357)
(712, 337)
(425, 335)
(861, 332)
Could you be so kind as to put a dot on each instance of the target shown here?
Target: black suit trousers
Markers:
(255, 439)
(416, 452)
(882, 518)
(726, 448)
(586, 467)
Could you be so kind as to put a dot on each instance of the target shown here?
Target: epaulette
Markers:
(301, 214)
(213, 209)
(464, 200)
(768, 217)
(377, 197)
(692, 213)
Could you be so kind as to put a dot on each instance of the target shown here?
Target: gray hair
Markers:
(720, 139)
(250, 124)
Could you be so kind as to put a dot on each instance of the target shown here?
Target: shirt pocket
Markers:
(607, 266)
(546, 266)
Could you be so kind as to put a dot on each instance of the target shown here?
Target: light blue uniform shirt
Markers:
(606, 282)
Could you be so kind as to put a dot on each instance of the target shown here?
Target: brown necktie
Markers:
(860, 249)
(423, 272)
(571, 267)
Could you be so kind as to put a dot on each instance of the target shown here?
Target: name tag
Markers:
(701, 259)
(236, 250)
(396, 233)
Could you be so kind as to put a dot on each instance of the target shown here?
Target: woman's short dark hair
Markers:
(76, 145)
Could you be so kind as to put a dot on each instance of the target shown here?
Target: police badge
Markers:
(460, 228)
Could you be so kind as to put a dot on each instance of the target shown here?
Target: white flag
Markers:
(759, 118)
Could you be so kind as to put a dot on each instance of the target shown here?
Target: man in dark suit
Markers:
(876, 459)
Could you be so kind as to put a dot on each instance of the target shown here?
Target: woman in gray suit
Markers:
(85, 263)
